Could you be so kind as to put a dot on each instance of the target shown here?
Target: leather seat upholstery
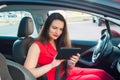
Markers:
(22, 44)
(10, 70)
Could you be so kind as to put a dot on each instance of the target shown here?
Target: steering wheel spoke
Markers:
(100, 48)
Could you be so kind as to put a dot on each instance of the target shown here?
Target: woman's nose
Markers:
(57, 31)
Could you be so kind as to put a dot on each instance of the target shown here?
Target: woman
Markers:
(43, 51)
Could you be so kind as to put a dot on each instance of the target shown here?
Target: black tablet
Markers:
(66, 53)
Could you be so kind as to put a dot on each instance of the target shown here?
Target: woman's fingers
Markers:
(75, 58)
(78, 54)
(56, 62)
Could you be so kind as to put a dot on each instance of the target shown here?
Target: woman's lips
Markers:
(55, 35)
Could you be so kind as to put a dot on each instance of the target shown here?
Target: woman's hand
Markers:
(73, 60)
(56, 62)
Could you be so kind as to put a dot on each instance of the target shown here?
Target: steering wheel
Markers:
(101, 49)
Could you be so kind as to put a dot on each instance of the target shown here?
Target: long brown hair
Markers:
(63, 40)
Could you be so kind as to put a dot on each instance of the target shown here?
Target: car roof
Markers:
(111, 3)
(109, 8)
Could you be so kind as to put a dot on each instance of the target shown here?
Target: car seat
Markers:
(10, 70)
(24, 41)
(22, 44)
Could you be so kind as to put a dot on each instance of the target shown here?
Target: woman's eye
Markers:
(54, 27)
(61, 29)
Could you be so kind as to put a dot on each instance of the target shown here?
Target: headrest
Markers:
(26, 27)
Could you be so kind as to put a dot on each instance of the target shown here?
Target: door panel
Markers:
(84, 45)
(6, 44)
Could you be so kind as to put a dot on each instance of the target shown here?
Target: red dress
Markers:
(47, 53)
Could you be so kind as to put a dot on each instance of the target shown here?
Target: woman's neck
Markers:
(52, 42)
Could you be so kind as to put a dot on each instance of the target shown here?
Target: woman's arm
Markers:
(72, 61)
(32, 59)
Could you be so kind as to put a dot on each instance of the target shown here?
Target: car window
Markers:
(81, 25)
(10, 22)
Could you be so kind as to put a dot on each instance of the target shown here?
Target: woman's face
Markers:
(55, 29)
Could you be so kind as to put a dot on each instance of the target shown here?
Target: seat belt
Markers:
(57, 77)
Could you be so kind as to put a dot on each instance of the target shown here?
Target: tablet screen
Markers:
(66, 53)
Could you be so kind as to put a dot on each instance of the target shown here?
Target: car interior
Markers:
(8, 70)
(22, 44)
(100, 45)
